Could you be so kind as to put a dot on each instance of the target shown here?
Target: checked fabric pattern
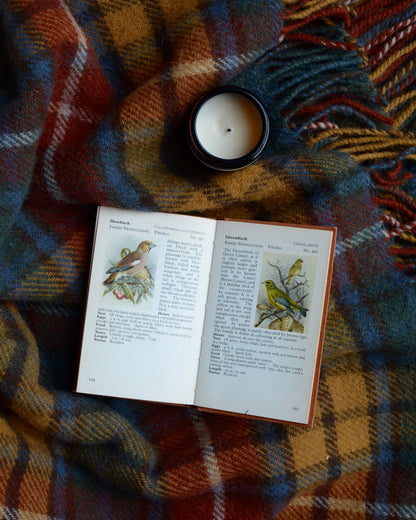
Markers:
(94, 96)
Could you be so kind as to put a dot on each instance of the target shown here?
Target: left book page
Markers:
(145, 306)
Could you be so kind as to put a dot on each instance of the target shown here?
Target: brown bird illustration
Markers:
(132, 263)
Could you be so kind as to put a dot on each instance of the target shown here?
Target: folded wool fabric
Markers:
(94, 97)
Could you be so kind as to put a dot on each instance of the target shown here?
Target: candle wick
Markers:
(228, 129)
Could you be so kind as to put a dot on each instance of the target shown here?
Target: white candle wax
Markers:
(228, 125)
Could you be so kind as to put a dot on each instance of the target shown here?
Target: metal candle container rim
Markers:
(218, 163)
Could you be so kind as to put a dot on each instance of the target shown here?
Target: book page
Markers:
(263, 323)
(143, 324)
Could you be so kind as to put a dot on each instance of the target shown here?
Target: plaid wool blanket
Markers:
(94, 96)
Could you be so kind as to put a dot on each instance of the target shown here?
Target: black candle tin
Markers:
(218, 163)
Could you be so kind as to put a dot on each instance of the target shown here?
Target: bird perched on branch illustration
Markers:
(132, 263)
(280, 300)
(294, 270)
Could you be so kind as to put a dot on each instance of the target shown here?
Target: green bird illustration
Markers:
(294, 270)
(280, 300)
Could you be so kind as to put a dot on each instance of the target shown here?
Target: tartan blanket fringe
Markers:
(377, 92)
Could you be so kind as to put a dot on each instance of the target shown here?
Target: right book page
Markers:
(265, 317)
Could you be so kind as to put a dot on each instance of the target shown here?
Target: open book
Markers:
(224, 315)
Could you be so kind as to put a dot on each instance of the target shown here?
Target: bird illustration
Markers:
(294, 270)
(132, 263)
(280, 300)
